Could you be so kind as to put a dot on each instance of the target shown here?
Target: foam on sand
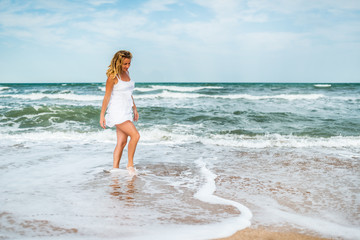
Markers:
(206, 194)
(322, 226)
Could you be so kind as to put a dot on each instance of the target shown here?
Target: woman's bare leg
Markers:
(129, 129)
(121, 143)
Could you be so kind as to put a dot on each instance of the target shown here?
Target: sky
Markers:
(316, 41)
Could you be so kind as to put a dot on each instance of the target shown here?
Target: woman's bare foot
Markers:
(131, 170)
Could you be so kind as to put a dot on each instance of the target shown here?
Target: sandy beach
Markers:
(264, 234)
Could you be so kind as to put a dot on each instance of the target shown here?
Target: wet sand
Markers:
(263, 234)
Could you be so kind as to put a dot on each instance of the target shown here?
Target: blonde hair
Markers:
(116, 63)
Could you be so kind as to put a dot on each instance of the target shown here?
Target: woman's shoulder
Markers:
(112, 80)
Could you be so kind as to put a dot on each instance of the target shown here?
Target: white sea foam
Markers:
(177, 88)
(167, 94)
(290, 97)
(322, 85)
(64, 137)
(68, 96)
(274, 213)
(280, 96)
(184, 89)
(276, 140)
(173, 95)
(324, 227)
(76, 208)
(161, 136)
(348, 98)
(206, 194)
(174, 88)
(65, 91)
(4, 88)
(102, 88)
(140, 89)
(191, 232)
(158, 135)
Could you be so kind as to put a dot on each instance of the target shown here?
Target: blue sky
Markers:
(181, 40)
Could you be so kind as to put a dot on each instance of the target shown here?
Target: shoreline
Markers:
(265, 234)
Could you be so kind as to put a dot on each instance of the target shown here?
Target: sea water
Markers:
(212, 159)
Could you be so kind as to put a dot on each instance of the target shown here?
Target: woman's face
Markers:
(126, 64)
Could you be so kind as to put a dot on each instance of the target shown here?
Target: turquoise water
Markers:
(288, 154)
(222, 109)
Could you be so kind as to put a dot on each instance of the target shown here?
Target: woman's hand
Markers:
(136, 115)
(102, 122)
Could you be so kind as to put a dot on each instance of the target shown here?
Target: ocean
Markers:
(213, 158)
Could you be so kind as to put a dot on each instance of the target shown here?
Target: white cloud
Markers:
(234, 11)
(221, 8)
(101, 2)
(293, 6)
(340, 33)
(270, 41)
(111, 24)
(231, 24)
(156, 5)
(30, 21)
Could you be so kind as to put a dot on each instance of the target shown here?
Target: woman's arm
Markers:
(108, 90)
(136, 114)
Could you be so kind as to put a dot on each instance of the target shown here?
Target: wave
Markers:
(289, 97)
(290, 141)
(281, 96)
(167, 94)
(176, 88)
(170, 88)
(140, 89)
(65, 96)
(157, 136)
(322, 85)
(4, 88)
(57, 117)
(255, 141)
(59, 136)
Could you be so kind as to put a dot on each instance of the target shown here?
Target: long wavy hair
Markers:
(115, 66)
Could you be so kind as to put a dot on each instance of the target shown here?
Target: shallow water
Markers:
(212, 159)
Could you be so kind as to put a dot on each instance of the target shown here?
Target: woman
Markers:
(118, 101)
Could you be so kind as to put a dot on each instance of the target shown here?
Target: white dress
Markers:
(120, 105)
